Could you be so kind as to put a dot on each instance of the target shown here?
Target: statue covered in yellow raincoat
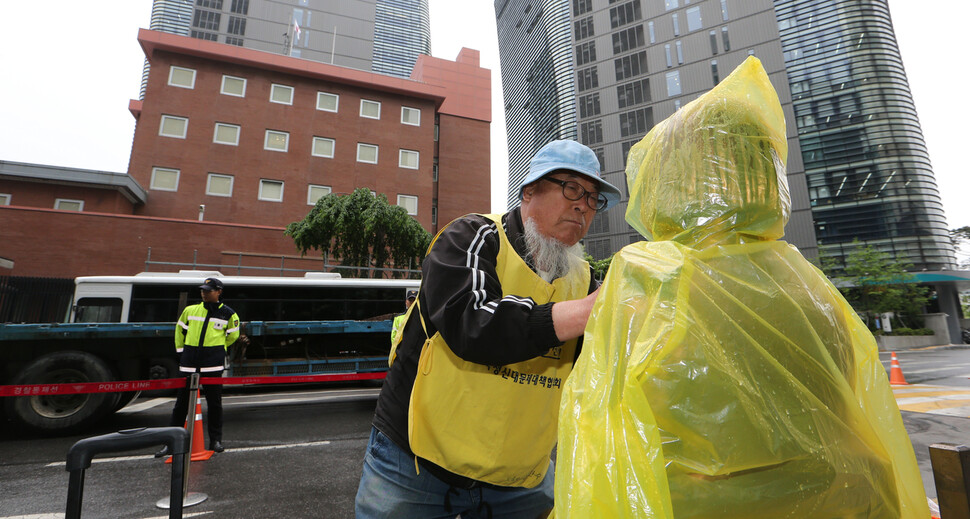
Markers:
(722, 375)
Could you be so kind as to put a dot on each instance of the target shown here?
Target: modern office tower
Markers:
(868, 171)
(535, 47)
(630, 64)
(383, 36)
(402, 30)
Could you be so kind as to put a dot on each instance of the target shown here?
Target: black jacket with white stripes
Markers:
(461, 296)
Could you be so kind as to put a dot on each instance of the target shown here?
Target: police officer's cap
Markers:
(411, 294)
(211, 284)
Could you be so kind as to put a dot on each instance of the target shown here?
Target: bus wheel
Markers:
(57, 413)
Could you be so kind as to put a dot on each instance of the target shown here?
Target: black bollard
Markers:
(951, 473)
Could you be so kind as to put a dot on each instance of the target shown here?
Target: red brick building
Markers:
(233, 144)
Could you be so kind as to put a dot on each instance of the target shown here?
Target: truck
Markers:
(121, 328)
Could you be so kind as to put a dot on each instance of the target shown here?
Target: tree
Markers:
(362, 230)
(879, 284)
(599, 266)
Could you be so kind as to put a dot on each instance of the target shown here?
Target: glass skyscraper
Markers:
(866, 164)
(402, 30)
(857, 164)
(382, 36)
(535, 47)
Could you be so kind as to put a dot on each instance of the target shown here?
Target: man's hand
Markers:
(569, 317)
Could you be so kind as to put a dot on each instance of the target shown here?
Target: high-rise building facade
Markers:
(383, 36)
(632, 64)
(868, 170)
(535, 47)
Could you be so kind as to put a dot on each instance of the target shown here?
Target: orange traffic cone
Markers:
(199, 452)
(896, 377)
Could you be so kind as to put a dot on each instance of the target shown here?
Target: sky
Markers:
(65, 83)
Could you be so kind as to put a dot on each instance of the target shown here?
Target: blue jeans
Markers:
(391, 487)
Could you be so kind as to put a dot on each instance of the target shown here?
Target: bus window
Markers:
(98, 310)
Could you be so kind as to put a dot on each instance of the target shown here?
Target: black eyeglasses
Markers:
(573, 191)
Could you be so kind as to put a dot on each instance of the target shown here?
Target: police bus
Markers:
(121, 328)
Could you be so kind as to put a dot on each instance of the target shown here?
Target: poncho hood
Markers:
(714, 172)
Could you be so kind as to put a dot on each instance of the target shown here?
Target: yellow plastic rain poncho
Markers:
(722, 375)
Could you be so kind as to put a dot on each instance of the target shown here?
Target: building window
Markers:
(725, 40)
(630, 66)
(219, 185)
(367, 153)
(276, 141)
(591, 132)
(586, 53)
(670, 62)
(582, 6)
(237, 25)
(232, 40)
(680, 52)
(587, 78)
(628, 39)
(281, 94)
(233, 86)
(270, 190)
(694, 19)
(173, 126)
(211, 4)
(584, 28)
(713, 35)
(239, 7)
(653, 36)
(202, 35)
(714, 75)
(370, 109)
(408, 159)
(165, 179)
(624, 14)
(410, 116)
(181, 77)
(206, 20)
(671, 4)
(66, 204)
(409, 203)
(327, 102)
(724, 11)
(676, 22)
(673, 83)
(5, 198)
(633, 93)
(589, 105)
(315, 193)
(323, 147)
(226, 134)
(636, 122)
(676, 104)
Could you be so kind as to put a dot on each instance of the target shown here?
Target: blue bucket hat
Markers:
(575, 157)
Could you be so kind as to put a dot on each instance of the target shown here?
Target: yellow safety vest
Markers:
(495, 424)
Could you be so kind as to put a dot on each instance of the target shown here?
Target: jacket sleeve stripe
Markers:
(471, 261)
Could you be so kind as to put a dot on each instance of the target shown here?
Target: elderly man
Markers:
(466, 420)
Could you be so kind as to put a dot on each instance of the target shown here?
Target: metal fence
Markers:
(35, 299)
(282, 270)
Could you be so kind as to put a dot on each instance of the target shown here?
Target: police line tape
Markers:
(174, 383)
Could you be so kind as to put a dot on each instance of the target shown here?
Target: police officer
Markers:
(399, 320)
(202, 337)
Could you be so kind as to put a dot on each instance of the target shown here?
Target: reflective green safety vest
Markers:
(219, 326)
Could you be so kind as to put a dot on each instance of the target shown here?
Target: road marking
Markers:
(940, 400)
(61, 516)
(141, 406)
(240, 449)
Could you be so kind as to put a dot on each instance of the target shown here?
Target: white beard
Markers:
(550, 256)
